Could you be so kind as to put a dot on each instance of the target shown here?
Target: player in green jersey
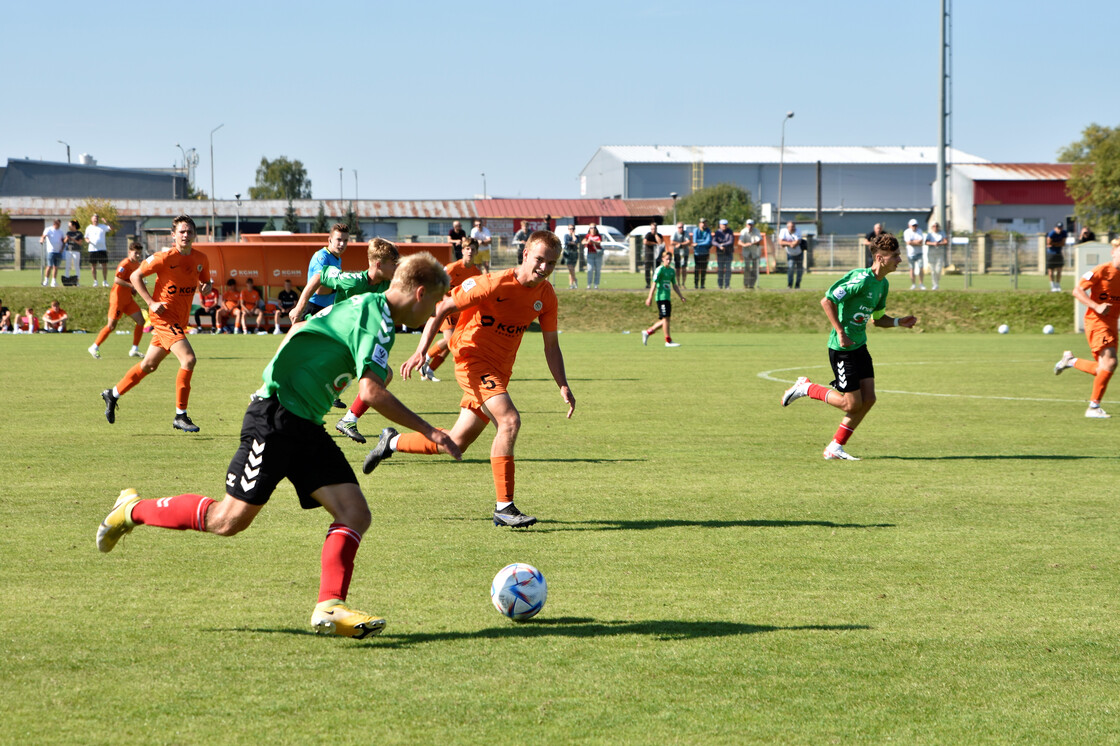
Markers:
(664, 282)
(858, 297)
(282, 436)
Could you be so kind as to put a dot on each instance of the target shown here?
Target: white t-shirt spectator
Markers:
(55, 237)
(95, 237)
(911, 235)
(785, 235)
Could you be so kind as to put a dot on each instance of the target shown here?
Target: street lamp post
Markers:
(484, 186)
(212, 178)
(355, 183)
(340, 195)
(237, 221)
(67, 150)
(673, 196)
(781, 167)
(186, 174)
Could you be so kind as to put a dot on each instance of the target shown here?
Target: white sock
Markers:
(180, 411)
(499, 505)
(349, 417)
(116, 394)
(393, 442)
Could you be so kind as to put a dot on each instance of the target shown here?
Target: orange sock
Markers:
(102, 335)
(433, 351)
(438, 358)
(1086, 366)
(134, 376)
(1100, 383)
(183, 388)
(502, 466)
(416, 443)
(137, 333)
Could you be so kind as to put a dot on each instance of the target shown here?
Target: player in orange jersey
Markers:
(250, 300)
(121, 303)
(494, 312)
(1099, 289)
(179, 271)
(231, 307)
(458, 271)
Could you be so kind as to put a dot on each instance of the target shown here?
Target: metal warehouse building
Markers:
(851, 187)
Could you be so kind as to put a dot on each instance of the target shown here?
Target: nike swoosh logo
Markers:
(500, 300)
(173, 266)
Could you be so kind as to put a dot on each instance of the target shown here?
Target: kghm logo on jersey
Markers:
(860, 318)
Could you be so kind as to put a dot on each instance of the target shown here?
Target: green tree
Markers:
(270, 225)
(1094, 181)
(321, 224)
(354, 225)
(291, 220)
(5, 224)
(722, 201)
(106, 213)
(281, 179)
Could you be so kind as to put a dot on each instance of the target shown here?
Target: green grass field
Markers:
(711, 578)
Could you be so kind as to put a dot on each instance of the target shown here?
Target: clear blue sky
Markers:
(422, 98)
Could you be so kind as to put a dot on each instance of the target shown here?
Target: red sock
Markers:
(1100, 383)
(502, 466)
(102, 335)
(339, 549)
(359, 407)
(183, 388)
(843, 433)
(134, 376)
(816, 391)
(181, 512)
(416, 443)
(137, 333)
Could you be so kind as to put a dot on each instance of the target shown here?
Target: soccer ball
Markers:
(518, 591)
(1003, 329)
(1048, 329)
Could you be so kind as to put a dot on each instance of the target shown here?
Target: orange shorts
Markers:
(165, 335)
(230, 305)
(1099, 336)
(479, 381)
(119, 307)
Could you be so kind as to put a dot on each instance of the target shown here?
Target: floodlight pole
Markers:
(942, 135)
(237, 221)
(673, 196)
(781, 168)
(67, 150)
(212, 225)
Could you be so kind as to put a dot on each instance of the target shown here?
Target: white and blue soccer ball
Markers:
(519, 591)
(1003, 329)
(1048, 329)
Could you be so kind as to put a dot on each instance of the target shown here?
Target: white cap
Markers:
(913, 222)
(723, 222)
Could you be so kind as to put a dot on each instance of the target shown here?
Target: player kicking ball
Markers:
(494, 312)
(282, 436)
(858, 296)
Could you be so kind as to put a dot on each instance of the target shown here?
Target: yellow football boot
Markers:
(118, 522)
(333, 617)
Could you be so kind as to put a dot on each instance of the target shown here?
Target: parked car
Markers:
(614, 243)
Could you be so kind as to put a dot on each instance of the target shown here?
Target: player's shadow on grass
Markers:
(579, 627)
(648, 524)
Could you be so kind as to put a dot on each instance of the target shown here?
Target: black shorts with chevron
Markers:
(850, 367)
(276, 444)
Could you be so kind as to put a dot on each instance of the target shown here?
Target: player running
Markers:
(282, 437)
(383, 257)
(1098, 289)
(179, 272)
(458, 271)
(858, 296)
(121, 303)
(494, 312)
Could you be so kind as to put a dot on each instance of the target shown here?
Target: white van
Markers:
(614, 243)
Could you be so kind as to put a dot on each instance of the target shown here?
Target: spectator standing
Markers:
(593, 246)
(95, 235)
(701, 250)
(1055, 245)
(54, 237)
(650, 244)
(915, 255)
(790, 240)
(867, 243)
(481, 234)
(456, 236)
(724, 242)
(679, 243)
(73, 252)
(54, 320)
(935, 248)
(1086, 235)
(519, 240)
(750, 243)
(570, 255)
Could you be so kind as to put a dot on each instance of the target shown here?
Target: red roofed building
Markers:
(1027, 198)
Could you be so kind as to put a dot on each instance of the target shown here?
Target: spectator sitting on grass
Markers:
(54, 320)
(27, 322)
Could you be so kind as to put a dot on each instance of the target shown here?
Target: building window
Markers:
(439, 227)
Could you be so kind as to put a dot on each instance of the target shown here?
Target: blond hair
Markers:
(381, 250)
(421, 270)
